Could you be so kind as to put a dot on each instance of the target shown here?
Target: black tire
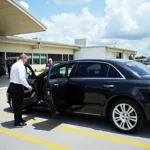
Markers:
(137, 112)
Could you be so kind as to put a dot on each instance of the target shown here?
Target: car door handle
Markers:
(108, 86)
(56, 84)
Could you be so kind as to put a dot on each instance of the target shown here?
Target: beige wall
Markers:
(6, 47)
(111, 54)
(125, 56)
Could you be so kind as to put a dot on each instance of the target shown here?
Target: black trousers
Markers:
(17, 94)
(9, 72)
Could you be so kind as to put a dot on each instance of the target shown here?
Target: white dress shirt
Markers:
(18, 74)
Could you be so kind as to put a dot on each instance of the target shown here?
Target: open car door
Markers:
(30, 97)
(56, 88)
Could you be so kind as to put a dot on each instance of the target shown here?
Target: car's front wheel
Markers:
(126, 116)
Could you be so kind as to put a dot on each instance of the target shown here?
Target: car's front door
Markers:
(57, 85)
(30, 97)
(95, 85)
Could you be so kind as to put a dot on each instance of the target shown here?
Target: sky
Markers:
(120, 23)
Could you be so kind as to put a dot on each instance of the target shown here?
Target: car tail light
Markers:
(149, 88)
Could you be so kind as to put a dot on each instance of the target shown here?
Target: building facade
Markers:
(38, 52)
(101, 52)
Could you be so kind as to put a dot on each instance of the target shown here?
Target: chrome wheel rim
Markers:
(125, 116)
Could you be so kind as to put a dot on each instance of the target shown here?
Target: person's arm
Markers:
(46, 66)
(22, 78)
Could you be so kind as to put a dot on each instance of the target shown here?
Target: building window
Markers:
(70, 57)
(43, 58)
(12, 55)
(2, 57)
(36, 58)
(29, 55)
(65, 57)
(61, 70)
(118, 55)
(55, 57)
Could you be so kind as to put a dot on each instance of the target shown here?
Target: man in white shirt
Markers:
(17, 81)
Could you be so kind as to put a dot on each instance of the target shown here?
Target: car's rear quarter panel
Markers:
(136, 90)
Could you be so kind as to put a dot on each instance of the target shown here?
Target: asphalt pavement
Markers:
(68, 132)
(4, 82)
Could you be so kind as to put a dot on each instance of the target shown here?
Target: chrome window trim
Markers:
(99, 78)
(123, 77)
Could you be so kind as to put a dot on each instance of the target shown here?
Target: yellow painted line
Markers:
(2, 99)
(3, 92)
(34, 140)
(92, 134)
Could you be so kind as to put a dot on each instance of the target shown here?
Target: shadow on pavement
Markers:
(8, 110)
(91, 122)
(95, 122)
(10, 124)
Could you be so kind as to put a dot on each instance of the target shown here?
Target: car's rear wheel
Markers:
(126, 116)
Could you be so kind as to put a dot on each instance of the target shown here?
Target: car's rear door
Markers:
(94, 83)
(57, 85)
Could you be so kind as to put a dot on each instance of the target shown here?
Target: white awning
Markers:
(14, 19)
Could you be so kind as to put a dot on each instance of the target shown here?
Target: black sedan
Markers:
(116, 89)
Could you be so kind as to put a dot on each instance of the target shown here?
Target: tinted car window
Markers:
(92, 69)
(58, 72)
(139, 68)
(71, 69)
(113, 73)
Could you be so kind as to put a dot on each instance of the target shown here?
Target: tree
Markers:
(140, 57)
(131, 57)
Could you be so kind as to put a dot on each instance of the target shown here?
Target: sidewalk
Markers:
(4, 82)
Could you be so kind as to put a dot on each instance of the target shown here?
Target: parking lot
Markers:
(68, 132)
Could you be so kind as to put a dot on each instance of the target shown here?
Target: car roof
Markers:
(104, 60)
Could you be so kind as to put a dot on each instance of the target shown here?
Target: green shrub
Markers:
(42, 70)
(28, 72)
(35, 70)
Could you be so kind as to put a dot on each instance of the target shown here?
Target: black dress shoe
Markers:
(24, 121)
(21, 124)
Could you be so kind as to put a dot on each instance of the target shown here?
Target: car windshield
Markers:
(139, 68)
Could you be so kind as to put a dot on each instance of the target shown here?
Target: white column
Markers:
(40, 58)
(32, 58)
